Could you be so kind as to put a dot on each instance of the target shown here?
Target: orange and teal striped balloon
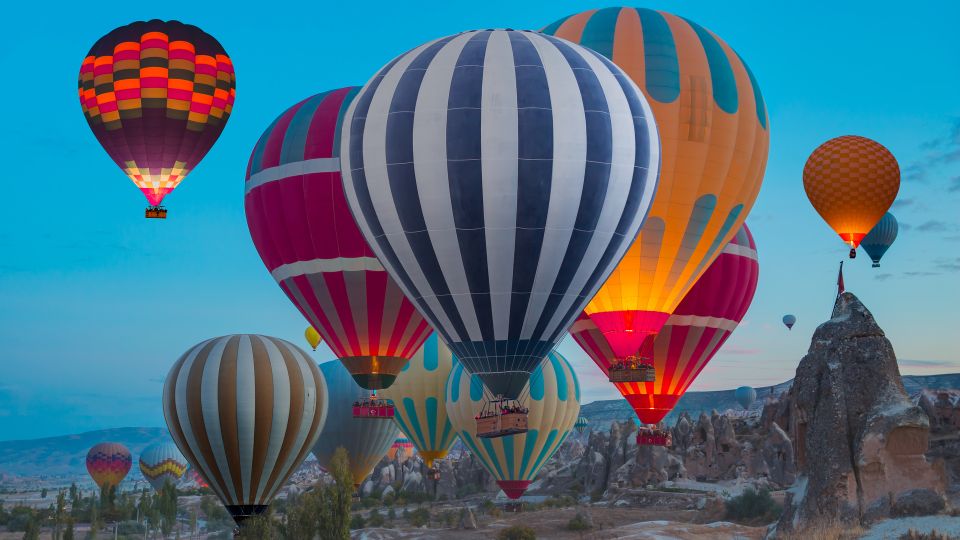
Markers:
(714, 134)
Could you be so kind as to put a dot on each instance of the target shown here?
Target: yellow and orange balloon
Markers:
(715, 136)
(851, 181)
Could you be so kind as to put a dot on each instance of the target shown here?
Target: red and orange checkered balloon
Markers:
(851, 181)
(157, 95)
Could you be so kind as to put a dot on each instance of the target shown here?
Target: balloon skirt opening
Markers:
(242, 512)
(626, 330)
(374, 372)
(652, 408)
(513, 488)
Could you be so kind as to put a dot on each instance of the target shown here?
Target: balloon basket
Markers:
(374, 408)
(853, 253)
(155, 212)
(501, 417)
(631, 371)
(654, 437)
(876, 265)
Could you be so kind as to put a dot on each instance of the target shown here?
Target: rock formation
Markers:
(859, 441)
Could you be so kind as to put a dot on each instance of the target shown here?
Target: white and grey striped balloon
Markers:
(244, 410)
(500, 176)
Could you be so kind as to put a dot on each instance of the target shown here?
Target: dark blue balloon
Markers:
(880, 237)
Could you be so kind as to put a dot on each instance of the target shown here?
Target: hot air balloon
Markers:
(499, 176)
(162, 463)
(108, 464)
(244, 410)
(789, 321)
(418, 396)
(312, 336)
(197, 478)
(692, 336)
(851, 182)
(303, 230)
(157, 94)
(880, 238)
(581, 424)
(745, 396)
(715, 136)
(554, 405)
(401, 450)
(366, 440)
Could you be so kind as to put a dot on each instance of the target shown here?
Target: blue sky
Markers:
(96, 303)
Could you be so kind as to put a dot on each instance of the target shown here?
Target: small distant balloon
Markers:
(162, 463)
(581, 424)
(789, 321)
(313, 337)
(745, 396)
(880, 238)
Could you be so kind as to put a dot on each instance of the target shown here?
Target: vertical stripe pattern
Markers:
(500, 176)
(418, 397)
(366, 440)
(694, 333)
(302, 228)
(554, 408)
(244, 411)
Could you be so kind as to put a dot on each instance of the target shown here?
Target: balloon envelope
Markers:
(401, 449)
(851, 181)
(244, 409)
(302, 228)
(880, 238)
(715, 138)
(581, 424)
(108, 463)
(694, 333)
(162, 463)
(789, 321)
(157, 95)
(500, 176)
(312, 337)
(745, 396)
(514, 460)
(366, 440)
(419, 400)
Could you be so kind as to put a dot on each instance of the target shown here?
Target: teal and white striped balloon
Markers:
(553, 397)
(418, 397)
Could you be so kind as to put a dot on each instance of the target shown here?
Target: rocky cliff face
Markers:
(859, 441)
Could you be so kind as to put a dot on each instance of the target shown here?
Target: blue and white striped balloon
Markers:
(500, 176)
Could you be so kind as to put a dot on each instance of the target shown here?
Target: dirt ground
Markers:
(609, 523)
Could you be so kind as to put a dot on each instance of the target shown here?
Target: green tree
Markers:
(59, 513)
(32, 531)
(68, 533)
(166, 508)
(301, 519)
(43, 493)
(335, 499)
(259, 527)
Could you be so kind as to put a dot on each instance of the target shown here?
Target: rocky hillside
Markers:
(602, 413)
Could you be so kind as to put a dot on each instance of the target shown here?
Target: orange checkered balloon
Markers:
(157, 95)
(851, 181)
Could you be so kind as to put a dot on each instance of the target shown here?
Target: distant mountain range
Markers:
(602, 413)
(65, 455)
